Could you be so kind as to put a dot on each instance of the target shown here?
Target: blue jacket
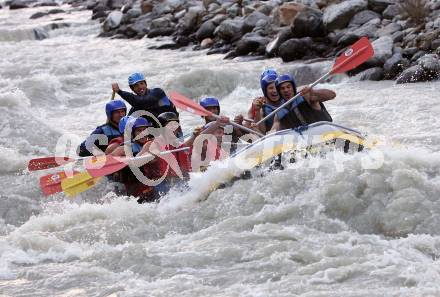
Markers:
(155, 101)
(109, 130)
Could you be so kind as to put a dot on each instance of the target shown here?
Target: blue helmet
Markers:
(210, 101)
(123, 122)
(268, 72)
(285, 78)
(113, 105)
(135, 77)
(141, 122)
(266, 81)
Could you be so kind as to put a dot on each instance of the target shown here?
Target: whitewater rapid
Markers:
(313, 230)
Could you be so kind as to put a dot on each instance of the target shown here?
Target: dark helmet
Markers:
(167, 117)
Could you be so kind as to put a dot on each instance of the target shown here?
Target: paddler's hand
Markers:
(239, 119)
(115, 87)
(259, 102)
(309, 94)
(222, 121)
(197, 131)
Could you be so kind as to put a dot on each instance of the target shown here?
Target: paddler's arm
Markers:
(258, 116)
(239, 120)
(138, 102)
(193, 137)
(316, 96)
(119, 151)
(276, 124)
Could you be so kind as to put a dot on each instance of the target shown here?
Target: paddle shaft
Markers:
(293, 98)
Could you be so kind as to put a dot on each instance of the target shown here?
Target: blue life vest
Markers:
(110, 131)
(135, 148)
(267, 109)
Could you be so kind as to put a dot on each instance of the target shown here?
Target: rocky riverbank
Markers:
(405, 34)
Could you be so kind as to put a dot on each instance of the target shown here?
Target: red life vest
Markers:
(181, 157)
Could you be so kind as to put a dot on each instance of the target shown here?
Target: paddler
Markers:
(102, 135)
(253, 109)
(152, 100)
(212, 104)
(269, 103)
(306, 109)
(151, 170)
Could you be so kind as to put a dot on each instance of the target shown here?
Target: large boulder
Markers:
(112, 21)
(282, 36)
(230, 30)
(390, 12)
(251, 20)
(38, 15)
(368, 29)
(295, 49)
(206, 43)
(206, 30)
(308, 23)
(19, 4)
(363, 17)
(251, 43)
(99, 11)
(288, 12)
(116, 4)
(337, 16)
(431, 65)
(394, 66)
(40, 34)
(411, 75)
(140, 27)
(147, 6)
(383, 48)
(379, 5)
(162, 22)
(160, 31)
(192, 19)
(389, 29)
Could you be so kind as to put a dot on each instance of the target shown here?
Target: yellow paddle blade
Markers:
(78, 183)
(73, 191)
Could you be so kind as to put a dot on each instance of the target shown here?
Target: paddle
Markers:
(51, 162)
(48, 162)
(51, 183)
(187, 104)
(357, 54)
(104, 166)
(78, 183)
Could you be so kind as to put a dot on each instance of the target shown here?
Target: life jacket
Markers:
(301, 114)
(183, 160)
(109, 130)
(136, 188)
(267, 109)
(135, 148)
(163, 104)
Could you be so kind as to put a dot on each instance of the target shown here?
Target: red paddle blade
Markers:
(354, 56)
(188, 105)
(105, 165)
(47, 162)
(51, 184)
